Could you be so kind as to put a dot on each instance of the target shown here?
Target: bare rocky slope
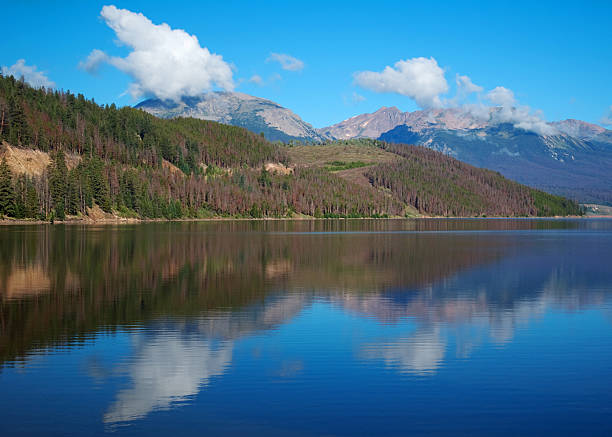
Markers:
(253, 113)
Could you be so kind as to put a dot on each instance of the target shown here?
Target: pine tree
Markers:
(20, 194)
(57, 184)
(72, 195)
(32, 206)
(99, 184)
(7, 192)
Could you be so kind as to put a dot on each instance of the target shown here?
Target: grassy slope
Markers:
(346, 152)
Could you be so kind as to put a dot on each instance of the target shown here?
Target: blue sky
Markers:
(555, 56)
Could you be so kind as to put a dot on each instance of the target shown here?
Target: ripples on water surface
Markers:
(391, 327)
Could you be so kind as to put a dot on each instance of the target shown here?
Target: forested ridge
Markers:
(132, 164)
(437, 184)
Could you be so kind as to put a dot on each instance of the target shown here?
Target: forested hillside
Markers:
(129, 163)
(134, 164)
(436, 184)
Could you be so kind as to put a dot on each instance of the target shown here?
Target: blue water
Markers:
(335, 328)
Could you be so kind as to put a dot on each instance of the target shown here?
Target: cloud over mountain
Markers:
(424, 81)
(465, 86)
(520, 116)
(421, 79)
(29, 73)
(164, 62)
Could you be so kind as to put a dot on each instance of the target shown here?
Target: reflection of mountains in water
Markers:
(91, 279)
(486, 302)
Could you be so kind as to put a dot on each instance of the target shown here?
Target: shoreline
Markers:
(130, 221)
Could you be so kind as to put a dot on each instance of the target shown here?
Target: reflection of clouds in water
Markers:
(421, 353)
(175, 363)
(469, 310)
(168, 369)
(267, 315)
(504, 323)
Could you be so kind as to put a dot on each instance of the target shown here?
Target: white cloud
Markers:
(164, 62)
(420, 79)
(606, 120)
(94, 61)
(29, 73)
(423, 80)
(287, 62)
(465, 86)
(520, 116)
(501, 96)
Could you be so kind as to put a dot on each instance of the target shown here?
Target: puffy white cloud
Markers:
(465, 85)
(164, 62)
(606, 120)
(287, 62)
(29, 73)
(421, 79)
(94, 61)
(501, 96)
(520, 116)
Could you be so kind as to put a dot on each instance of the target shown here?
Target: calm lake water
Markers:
(307, 328)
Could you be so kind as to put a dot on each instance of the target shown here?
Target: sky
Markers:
(326, 61)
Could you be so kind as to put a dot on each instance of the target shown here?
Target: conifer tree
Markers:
(72, 195)
(7, 192)
(20, 192)
(99, 184)
(57, 184)
(32, 206)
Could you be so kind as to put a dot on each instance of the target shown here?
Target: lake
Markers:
(307, 328)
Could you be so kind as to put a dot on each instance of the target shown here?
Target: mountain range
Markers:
(573, 159)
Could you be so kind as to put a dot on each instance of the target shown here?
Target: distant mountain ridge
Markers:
(373, 125)
(575, 161)
(238, 109)
(386, 118)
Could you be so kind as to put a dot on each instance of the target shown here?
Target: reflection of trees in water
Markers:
(92, 278)
(83, 279)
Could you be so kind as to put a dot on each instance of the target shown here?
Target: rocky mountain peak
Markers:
(578, 128)
(238, 109)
